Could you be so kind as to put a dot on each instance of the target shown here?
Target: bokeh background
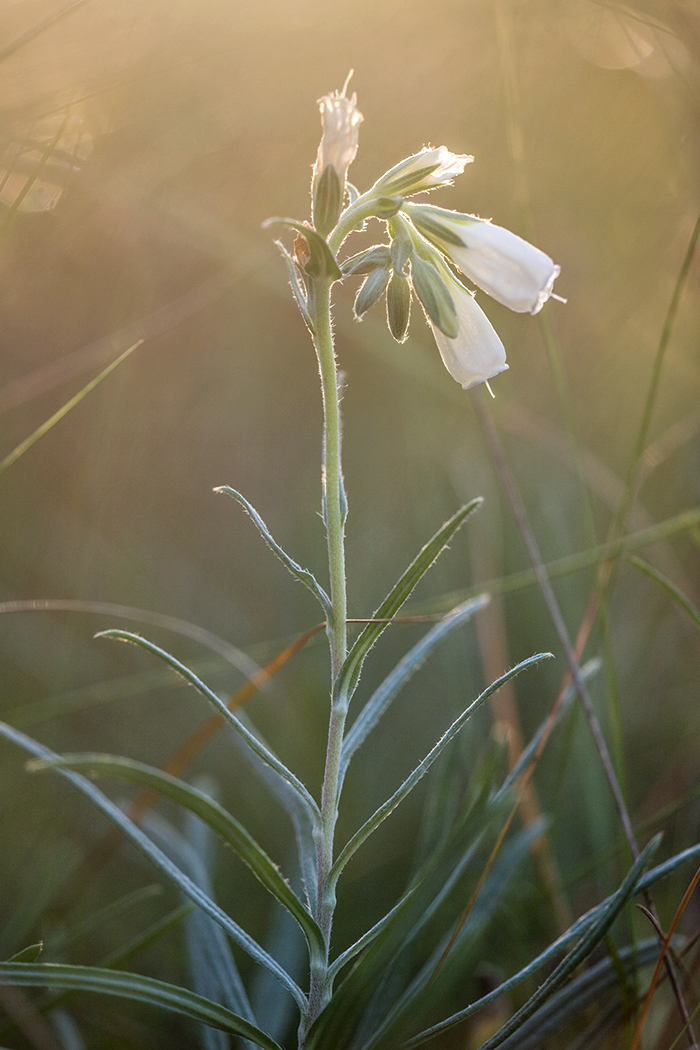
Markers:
(192, 122)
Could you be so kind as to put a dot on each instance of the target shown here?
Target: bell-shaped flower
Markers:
(499, 262)
(475, 354)
(423, 171)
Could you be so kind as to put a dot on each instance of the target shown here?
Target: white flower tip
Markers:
(546, 291)
(485, 379)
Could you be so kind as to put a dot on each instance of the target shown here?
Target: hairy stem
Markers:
(334, 516)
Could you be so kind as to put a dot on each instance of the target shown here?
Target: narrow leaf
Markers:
(298, 290)
(261, 751)
(135, 988)
(422, 768)
(23, 446)
(214, 815)
(382, 697)
(157, 857)
(321, 261)
(306, 577)
(350, 671)
(29, 954)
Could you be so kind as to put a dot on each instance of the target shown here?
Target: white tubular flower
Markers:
(476, 354)
(423, 171)
(341, 121)
(499, 262)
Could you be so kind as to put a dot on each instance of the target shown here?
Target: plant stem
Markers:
(334, 517)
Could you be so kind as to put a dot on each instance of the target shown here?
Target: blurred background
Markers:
(172, 129)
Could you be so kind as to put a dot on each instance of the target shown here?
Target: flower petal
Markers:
(499, 262)
(476, 353)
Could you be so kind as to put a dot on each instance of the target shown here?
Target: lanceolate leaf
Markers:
(350, 671)
(321, 261)
(422, 768)
(144, 843)
(382, 697)
(262, 752)
(298, 291)
(134, 987)
(306, 577)
(214, 815)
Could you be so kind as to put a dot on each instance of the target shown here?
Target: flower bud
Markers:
(398, 307)
(372, 290)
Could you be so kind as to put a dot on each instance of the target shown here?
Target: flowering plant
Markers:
(394, 985)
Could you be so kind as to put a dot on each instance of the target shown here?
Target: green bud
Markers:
(370, 259)
(398, 307)
(371, 291)
(431, 288)
(327, 200)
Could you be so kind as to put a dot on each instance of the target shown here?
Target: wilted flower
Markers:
(514, 272)
(341, 121)
(476, 354)
(423, 171)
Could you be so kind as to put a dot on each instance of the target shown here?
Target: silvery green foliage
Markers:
(412, 963)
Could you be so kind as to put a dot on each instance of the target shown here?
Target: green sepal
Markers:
(136, 988)
(29, 954)
(385, 207)
(364, 262)
(327, 200)
(398, 307)
(433, 229)
(401, 247)
(372, 290)
(321, 260)
(431, 288)
(352, 191)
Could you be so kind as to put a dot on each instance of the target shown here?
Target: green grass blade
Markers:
(591, 928)
(564, 1005)
(163, 863)
(135, 988)
(382, 697)
(670, 587)
(262, 752)
(685, 522)
(422, 768)
(23, 446)
(214, 815)
(303, 575)
(350, 671)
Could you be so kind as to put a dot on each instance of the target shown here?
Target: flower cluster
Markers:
(427, 244)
